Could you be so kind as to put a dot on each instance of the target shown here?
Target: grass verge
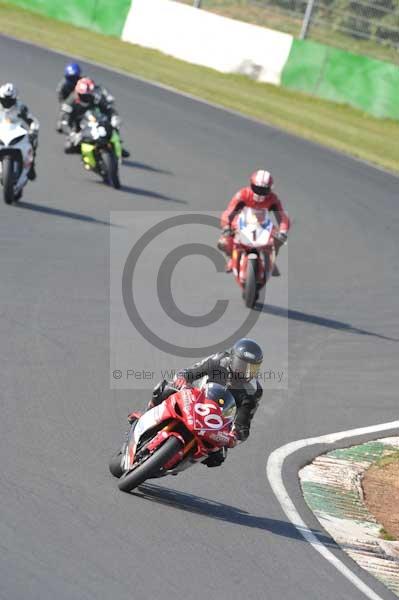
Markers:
(381, 486)
(384, 535)
(388, 459)
(334, 125)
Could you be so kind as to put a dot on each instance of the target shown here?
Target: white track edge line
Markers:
(230, 111)
(274, 472)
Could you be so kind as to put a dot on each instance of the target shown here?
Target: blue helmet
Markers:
(72, 71)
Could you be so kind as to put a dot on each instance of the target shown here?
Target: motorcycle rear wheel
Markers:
(8, 179)
(250, 283)
(151, 466)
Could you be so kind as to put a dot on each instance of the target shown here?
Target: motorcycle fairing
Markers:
(10, 129)
(87, 151)
(254, 229)
(150, 419)
(253, 240)
(116, 142)
(202, 415)
(15, 142)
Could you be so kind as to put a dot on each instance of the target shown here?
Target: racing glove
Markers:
(280, 238)
(75, 137)
(224, 242)
(116, 121)
(179, 382)
(34, 133)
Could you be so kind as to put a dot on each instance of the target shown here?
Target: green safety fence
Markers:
(365, 83)
(104, 16)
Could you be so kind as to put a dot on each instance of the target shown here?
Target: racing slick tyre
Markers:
(115, 464)
(151, 466)
(8, 179)
(250, 290)
(111, 175)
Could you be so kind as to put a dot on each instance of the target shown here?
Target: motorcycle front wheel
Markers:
(111, 169)
(151, 466)
(8, 179)
(115, 464)
(250, 283)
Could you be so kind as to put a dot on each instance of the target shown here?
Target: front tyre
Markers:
(115, 464)
(8, 179)
(151, 466)
(250, 283)
(111, 169)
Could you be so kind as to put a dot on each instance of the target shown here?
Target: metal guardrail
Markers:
(376, 20)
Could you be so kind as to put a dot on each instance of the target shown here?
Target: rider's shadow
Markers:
(296, 315)
(223, 512)
(134, 164)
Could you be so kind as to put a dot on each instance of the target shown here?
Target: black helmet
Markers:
(246, 359)
(223, 398)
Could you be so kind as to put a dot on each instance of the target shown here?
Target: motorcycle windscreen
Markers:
(254, 227)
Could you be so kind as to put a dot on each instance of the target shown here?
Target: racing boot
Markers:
(215, 459)
(229, 266)
(32, 172)
(70, 148)
(276, 271)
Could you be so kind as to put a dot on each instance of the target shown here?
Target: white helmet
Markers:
(261, 184)
(8, 95)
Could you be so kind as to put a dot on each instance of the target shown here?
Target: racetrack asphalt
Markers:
(66, 532)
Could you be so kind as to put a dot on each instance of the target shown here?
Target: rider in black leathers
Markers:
(65, 88)
(237, 369)
(88, 96)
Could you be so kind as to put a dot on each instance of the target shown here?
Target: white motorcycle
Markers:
(16, 156)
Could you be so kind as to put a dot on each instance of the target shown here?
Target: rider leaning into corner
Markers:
(79, 94)
(258, 194)
(237, 369)
(11, 105)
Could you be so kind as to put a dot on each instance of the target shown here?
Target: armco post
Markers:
(306, 19)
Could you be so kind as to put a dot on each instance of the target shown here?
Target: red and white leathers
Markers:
(246, 197)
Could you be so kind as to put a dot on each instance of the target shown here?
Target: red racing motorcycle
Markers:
(254, 253)
(178, 433)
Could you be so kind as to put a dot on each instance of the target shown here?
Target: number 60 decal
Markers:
(213, 421)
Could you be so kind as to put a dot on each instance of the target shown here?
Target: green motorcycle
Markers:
(101, 147)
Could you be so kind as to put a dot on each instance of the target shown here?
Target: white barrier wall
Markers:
(203, 38)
